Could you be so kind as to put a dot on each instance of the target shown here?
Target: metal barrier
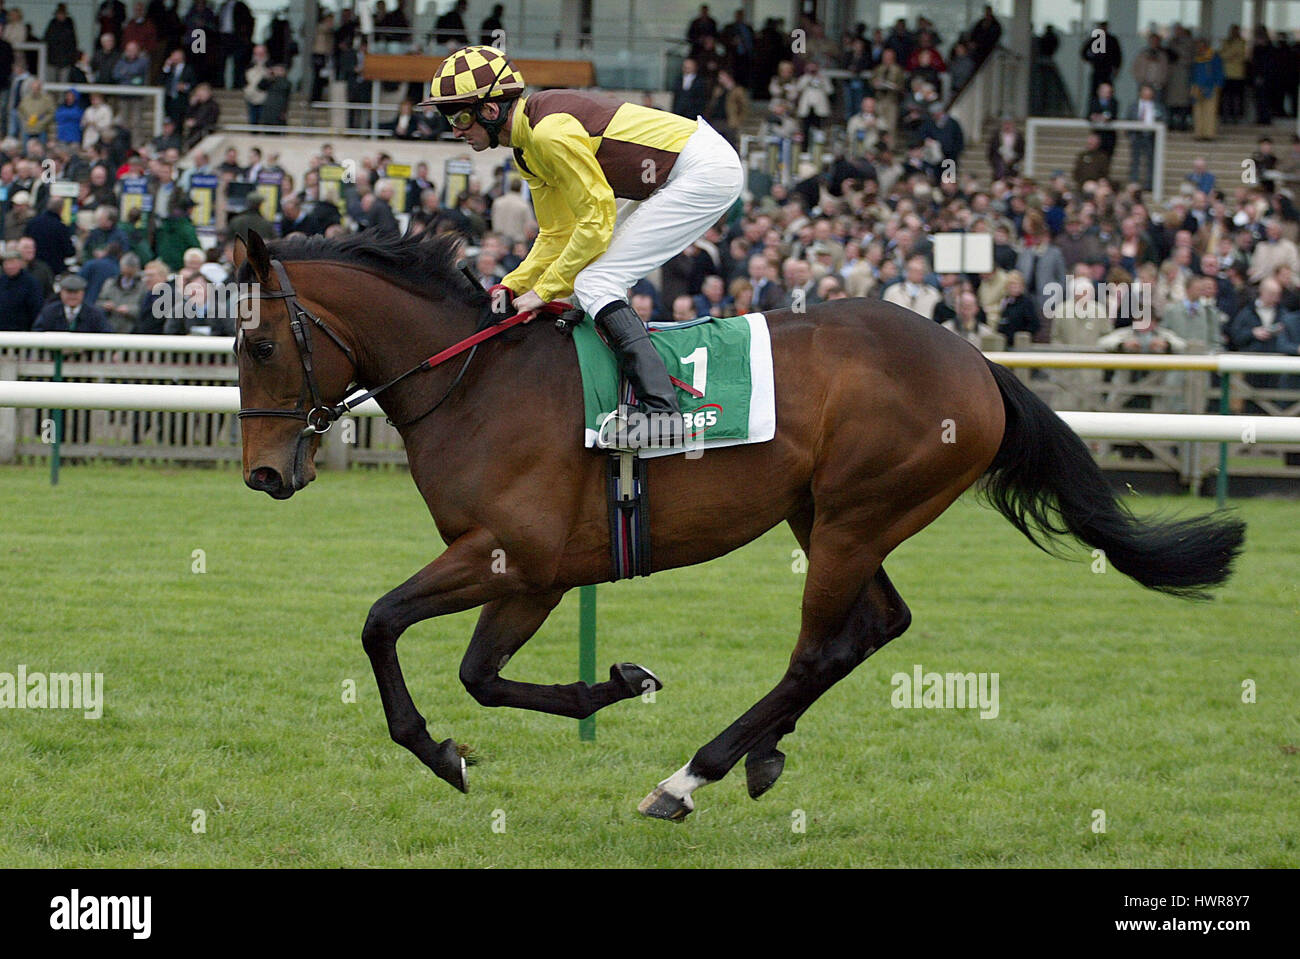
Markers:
(264, 128)
(1159, 382)
(1034, 124)
(121, 90)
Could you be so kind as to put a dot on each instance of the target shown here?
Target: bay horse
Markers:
(883, 420)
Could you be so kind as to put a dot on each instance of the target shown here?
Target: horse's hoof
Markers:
(661, 804)
(762, 774)
(451, 765)
(637, 679)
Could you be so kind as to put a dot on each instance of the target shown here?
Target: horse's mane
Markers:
(424, 263)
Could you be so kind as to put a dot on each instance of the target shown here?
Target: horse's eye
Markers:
(263, 349)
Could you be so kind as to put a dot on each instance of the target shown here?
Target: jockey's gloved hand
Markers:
(502, 298)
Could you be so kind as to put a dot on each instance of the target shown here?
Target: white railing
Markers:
(36, 394)
(121, 90)
(117, 341)
(266, 128)
(93, 356)
(147, 397)
(1210, 362)
(154, 398)
(1213, 362)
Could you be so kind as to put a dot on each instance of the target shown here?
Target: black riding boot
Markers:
(645, 370)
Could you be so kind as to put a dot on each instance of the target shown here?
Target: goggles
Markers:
(460, 118)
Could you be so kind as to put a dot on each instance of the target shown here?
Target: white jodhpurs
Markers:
(703, 184)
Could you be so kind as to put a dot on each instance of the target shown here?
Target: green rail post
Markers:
(587, 653)
(1221, 482)
(58, 422)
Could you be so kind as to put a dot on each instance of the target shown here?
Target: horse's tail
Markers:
(1045, 481)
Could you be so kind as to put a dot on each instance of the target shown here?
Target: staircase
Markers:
(234, 110)
(1057, 150)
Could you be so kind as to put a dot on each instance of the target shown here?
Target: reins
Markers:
(321, 415)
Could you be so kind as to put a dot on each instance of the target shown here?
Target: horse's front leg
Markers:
(459, 579)
(503, 627)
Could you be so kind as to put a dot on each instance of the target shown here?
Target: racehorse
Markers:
(883, 420)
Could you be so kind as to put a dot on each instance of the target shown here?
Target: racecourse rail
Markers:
(1187, 427)
(1170, 427)
(1089, 425)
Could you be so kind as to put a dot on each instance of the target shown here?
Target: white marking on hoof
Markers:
(682, 783)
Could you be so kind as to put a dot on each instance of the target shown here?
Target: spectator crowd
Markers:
(1090, 260)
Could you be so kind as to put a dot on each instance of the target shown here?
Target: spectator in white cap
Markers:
(120, 297)
(20, 211)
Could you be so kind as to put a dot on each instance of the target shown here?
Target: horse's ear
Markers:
(258, 256)
(239, 252)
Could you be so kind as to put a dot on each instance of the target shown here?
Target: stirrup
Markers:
(612, 432)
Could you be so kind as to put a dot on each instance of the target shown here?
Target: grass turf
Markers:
(224, 693)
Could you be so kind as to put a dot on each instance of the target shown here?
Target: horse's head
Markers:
(288, 367)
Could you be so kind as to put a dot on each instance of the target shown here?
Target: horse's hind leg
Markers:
(503, 627)
(765, 763)
(839, 629)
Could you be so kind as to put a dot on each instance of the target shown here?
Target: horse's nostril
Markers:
(264, 479)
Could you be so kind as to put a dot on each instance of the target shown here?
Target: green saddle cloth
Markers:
(714, 357)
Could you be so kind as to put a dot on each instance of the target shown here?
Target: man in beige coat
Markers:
(913, 292)
(36, 109)
(1196, 318)
(888, 80)
(1151, 66)
(992, 291)
(1273, 252)
(511, 215)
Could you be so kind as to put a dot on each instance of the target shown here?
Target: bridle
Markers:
(320, 416)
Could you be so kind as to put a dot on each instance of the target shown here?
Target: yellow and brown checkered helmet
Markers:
(474, 74)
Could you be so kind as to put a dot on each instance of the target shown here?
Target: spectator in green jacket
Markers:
(175, 234)
(136, 228)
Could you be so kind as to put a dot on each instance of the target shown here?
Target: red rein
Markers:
(554, 309)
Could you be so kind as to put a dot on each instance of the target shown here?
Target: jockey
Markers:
(578, 152)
